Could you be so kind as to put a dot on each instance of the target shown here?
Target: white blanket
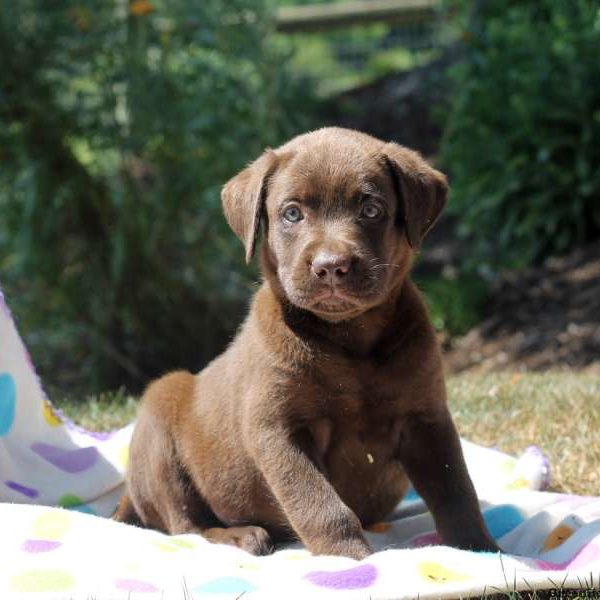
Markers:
(74, 552)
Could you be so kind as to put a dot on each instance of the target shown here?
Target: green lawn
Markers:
(558, 412)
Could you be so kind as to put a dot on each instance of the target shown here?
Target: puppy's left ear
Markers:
(243, 199)
(422, 191)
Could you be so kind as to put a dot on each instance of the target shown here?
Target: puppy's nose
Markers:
(332, 266)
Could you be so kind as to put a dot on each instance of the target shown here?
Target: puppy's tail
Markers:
(126, 512)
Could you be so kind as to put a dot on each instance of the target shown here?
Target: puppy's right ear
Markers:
(243, 199)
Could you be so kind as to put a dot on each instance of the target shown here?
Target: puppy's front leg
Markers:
(313, 508)
(431, 454)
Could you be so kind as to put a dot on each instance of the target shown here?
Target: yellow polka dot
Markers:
(519, 484)
(42, 580)
(133, 566)
(166, 547)
(51, 417)
(295, 555)
(557, 536)
(123, 456)
(439, 574)
(173, 544)
(248, 566)
(379, 527)
(508, 465)
(182, 543)
(52, 525)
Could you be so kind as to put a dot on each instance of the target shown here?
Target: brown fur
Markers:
(331, 395)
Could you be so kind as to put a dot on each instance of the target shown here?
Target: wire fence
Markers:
(343, 45)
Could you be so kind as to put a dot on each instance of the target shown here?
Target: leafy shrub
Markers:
(119, 122)
(455, 303)
(523, 139)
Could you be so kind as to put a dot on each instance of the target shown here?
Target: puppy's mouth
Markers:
(333, 300)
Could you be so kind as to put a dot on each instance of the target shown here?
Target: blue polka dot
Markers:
(502, 519)
(8, 402)
(226, 585)
(411, 495)
(82, 508)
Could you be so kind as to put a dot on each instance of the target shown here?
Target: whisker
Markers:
(385, 265)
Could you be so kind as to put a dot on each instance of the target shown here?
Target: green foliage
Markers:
(523, 139)
(119, 122)
(455, 303)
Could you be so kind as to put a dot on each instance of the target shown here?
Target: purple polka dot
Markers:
(101, 436)
(135, 585)
(22, 489)
(537, 453)
(71, 461)
(350, 579)
(39, 545)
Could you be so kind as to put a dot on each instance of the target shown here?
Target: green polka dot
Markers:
(43, 580)
(73, 502)
(69, 501)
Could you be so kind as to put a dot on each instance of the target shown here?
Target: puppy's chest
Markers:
(358, 423)
(360, 404)
(365, 394)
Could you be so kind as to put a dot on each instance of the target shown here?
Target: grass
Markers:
(559, 412)
(101, 413)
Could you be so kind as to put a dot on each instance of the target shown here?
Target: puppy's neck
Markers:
(374, 331)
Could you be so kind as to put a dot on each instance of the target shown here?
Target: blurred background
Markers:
(120, 120)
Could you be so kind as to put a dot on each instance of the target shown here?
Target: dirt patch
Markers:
(546, 317)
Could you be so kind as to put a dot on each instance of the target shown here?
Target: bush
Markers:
(119, 122)
(455, 303)
(523, 139)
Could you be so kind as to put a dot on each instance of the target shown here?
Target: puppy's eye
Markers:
(371, 211)
(293, 214)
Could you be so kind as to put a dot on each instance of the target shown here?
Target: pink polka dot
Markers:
(585, 555)
(135, 585)
(572, 502)
(36, 546)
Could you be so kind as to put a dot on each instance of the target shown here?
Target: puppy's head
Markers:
(344, 214)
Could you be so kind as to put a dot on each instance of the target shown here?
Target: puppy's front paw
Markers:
(252, 539)
(357, 549)
(479, 542)
(485, 545)
(354, 547)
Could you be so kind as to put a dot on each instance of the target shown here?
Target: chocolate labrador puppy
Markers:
(331, 396)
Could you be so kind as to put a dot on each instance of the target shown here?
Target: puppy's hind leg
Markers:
(189, 513)
(125, 512)
(184, 510)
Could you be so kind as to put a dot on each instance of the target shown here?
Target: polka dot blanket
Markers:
(58, 483)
